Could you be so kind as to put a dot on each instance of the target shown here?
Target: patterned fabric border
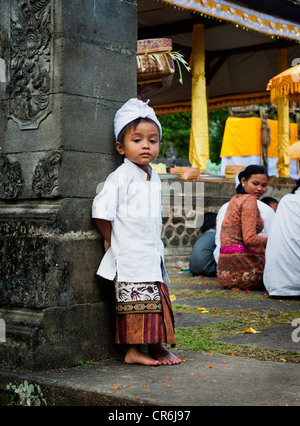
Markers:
(139, 307)
(242, 16)
(136, 292)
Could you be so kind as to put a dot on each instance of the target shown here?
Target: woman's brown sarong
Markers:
(146, 322)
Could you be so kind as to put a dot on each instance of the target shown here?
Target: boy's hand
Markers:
(106, 245)
(104, 227)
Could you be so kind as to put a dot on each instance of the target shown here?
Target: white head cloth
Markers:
(130, 111)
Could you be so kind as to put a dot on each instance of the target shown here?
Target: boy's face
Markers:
(141, 145)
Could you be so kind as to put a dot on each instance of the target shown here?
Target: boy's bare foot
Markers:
(134, 355)
(159, 352)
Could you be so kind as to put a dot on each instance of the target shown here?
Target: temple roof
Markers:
(242, 40)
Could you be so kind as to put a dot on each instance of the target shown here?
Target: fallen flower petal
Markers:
(249, 330)
(172, 297)
(210, 366)
(179, 313)
(117, 387)
(202, 310)
(252, 330)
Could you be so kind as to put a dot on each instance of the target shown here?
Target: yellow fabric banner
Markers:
(294, 133)
(242, 137)
(273, 148)
(199, 139)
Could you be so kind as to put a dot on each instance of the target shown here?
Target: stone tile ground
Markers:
(275, 319)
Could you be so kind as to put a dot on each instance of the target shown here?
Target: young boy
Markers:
(128, 215)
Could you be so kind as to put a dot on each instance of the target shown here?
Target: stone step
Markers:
(199, 381)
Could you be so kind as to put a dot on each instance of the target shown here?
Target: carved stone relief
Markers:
(45, 179)
(30, 61)
(11, 182)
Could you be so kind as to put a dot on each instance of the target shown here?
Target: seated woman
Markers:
(242, 253)
(282, 270)
(202, 261)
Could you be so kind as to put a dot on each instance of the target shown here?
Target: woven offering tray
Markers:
(188, 173)
(154, 62)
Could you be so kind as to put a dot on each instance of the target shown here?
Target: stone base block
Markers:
(57, 312)
(56, 337)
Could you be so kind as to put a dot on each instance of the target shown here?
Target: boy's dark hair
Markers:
(209, 221)
(269, 200)
(253, 169)
(132, 125)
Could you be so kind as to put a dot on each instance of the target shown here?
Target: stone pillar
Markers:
(70, 65)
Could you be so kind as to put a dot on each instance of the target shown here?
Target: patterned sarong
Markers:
(144, 314)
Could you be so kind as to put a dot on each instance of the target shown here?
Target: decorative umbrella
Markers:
(286, 84)
(284, 87)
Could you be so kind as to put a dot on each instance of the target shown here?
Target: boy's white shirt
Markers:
(133, 205)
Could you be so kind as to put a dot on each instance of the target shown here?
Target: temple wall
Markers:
(69, 66)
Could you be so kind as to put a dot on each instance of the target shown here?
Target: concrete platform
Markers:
(202, 380)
